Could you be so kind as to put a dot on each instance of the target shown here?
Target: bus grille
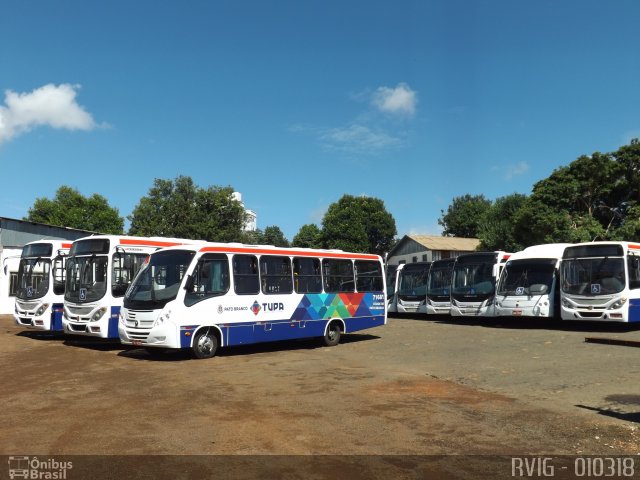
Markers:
(138, 323)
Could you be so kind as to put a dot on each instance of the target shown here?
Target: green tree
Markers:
(464, 216)
(630, 228)
(179, 208)
(273, 236)
(628, 157)
(496, 230)
(309, 236)
(359, 224)
(71, 209)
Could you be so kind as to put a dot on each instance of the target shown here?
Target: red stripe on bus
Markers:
(149, 243)
(66, 245)
(634, 246)
(296, 253)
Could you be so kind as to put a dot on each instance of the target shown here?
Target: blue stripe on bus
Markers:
(634, 310)
(256, 332)
(56, 317)
(112, 332)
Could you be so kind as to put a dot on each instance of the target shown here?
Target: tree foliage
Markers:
(69, 208)
(496, 225)
(464, 216)
(595, 197)
(358, 224)
(179, 208)
(271, 235)
(309, 236)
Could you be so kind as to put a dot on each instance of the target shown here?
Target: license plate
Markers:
(136, 342)
(516, 313)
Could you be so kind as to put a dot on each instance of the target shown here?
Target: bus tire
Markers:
(332, 336)
(205, 344)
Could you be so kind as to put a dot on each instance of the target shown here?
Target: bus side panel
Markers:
(112, 331)
(362, 323)
(634, 309)
(56, 317)
(240, 334)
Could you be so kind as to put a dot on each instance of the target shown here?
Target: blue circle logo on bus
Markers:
(595, 288)
(255, 308)
(520, 291)
(83, 294)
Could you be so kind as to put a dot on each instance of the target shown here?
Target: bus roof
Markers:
(546, 250)
(271, 250)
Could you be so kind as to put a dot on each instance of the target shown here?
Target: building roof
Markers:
(435, 242)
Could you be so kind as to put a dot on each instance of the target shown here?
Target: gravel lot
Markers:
(413, 387)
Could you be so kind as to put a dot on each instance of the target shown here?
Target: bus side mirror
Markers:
(188, 286)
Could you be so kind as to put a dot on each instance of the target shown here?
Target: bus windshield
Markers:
(439, 282)
(33, 278)
(413, 281)
(527, 277)
(593, 276)
(158, 280)
(473, 279)
(86, 278)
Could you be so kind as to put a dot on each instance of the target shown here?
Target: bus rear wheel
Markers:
(205, 344)
(332, 336)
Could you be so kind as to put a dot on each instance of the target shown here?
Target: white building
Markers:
(252, 222)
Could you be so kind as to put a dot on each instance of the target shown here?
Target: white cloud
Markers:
(358, 139)
(50, 105)
(401, 100)
(435, 230)
(515, 170)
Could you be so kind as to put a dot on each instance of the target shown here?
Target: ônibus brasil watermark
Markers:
(35, 468)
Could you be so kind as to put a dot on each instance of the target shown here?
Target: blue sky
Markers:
(295, 103)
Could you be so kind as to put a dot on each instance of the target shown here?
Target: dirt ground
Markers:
(371, 407)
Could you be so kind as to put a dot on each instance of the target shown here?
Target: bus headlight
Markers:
(565, 303)
(120, 317)
(618, 303)
(42, 309)
(98, 315)
(162, 318)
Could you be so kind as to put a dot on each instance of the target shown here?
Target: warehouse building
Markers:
(14, 234)
(428, 248)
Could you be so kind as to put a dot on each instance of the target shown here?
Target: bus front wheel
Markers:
(205, 344)
(332, 336)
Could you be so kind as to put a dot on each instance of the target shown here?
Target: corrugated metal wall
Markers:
(17, 233)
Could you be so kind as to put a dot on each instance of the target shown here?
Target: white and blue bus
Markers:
(40, 285)
(201, 297)
(410, 288)
(439, 287)
(473, 283)
(600, 281)
(529, 285)
(99, 270)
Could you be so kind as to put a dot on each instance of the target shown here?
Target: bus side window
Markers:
(307, 275)
(245, 274)
(275, 272)
(633, 264)
(369, 276)
(210, 278)
(338, 275)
